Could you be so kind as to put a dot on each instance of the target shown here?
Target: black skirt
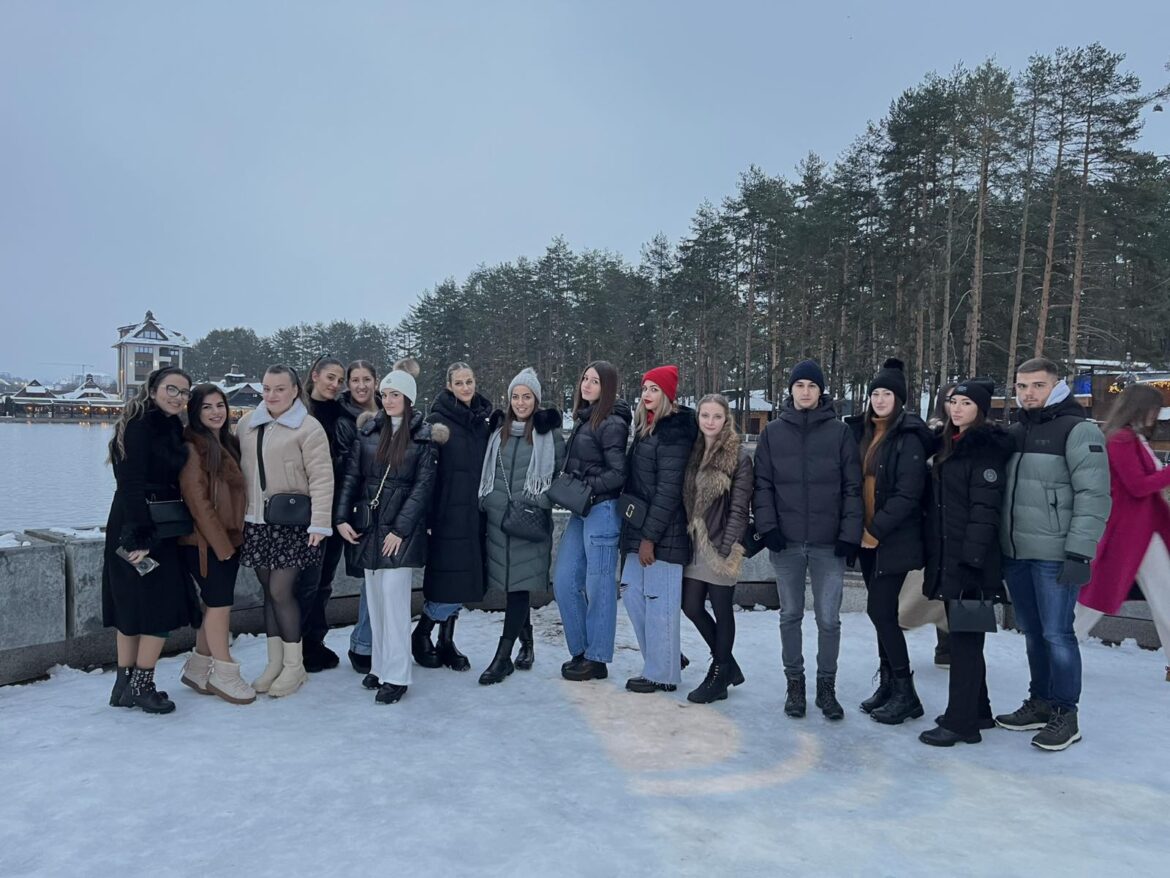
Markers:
(218, 588)
(155, 604)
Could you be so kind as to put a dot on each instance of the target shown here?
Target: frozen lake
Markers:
(54, 474)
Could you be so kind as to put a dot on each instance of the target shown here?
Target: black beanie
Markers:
(978, 390)
(892, 377)
(807, 370)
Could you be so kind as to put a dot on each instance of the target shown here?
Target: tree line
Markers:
(987, 217)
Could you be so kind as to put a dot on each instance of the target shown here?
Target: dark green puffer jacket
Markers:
(1057, 499)
(514, 564)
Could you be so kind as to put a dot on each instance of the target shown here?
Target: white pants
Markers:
(1154, 578)
(388, 596)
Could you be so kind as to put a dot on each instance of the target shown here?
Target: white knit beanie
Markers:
(401, 381)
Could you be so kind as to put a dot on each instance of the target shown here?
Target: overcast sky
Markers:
(263, 164)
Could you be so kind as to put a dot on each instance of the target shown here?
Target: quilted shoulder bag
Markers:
(288, 510)
(522, 519)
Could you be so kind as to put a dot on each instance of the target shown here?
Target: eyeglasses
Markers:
(173, 391)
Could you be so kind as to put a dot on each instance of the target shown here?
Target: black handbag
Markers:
(972, 615)
(523, 520)
(633, 510)
(569, 491)
(171, 519)
(288, 510)
(751, 541)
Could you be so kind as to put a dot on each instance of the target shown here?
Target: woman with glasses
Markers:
(145, 590)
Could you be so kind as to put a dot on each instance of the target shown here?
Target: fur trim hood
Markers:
(681, 428)
(543, 420)
(709, 479)
(293, 418)
(369, 422)
(988, 439)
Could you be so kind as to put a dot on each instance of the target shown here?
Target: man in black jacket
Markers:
(809, 513)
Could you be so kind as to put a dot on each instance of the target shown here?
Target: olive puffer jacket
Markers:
(515, 564)
(598, 455)
(656, 472)
(404, 500)
(962, 517)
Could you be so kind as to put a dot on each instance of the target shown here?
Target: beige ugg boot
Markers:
(225, 681)
(275, 665)
(293, 673)
(196, 671)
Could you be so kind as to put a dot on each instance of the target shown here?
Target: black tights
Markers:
(719, 633)
(282, 612)
(516, 614)
(881, 606)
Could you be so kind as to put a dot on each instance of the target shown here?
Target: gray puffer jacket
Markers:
(1057, 499)
(514, 564)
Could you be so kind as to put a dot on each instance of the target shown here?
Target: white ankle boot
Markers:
(275, 665)
(292, 675)
(196, 672)
(225, 681)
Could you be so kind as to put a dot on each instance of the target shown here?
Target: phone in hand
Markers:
(145, 566)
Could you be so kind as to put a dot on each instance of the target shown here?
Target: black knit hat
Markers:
(807, 370)
(892, 377)
(978, 390)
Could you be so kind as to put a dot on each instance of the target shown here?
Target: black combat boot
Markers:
(903, 703)
(448, 653)
(882, 694)
(827, 698)
(421, 647)
(501, 666)
(526, 657)
(795, 704)
(141, 693)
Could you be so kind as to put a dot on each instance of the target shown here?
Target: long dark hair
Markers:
(868, 449)
(608, 375)
(1133, 409)
(949, 430)
(138, 407)
(393, 444)
(217, 443)
(322, 362)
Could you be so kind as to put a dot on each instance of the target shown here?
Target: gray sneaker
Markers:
(1032, 714)
(1060, 733)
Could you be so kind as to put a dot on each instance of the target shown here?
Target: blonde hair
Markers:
(728, 428)
(643, 426)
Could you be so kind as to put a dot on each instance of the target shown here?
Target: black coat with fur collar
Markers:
(655, 473)
(717, 495)
(962, 518)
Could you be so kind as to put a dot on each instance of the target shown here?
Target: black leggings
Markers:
(719, 633)
(282, 612)
(516, 614)
(881, 606)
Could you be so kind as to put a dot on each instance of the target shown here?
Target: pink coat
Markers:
(1139, 511)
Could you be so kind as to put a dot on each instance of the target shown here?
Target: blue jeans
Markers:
(361, 640)
(585, 581)
(441, 612)
(827, 572)
(653, 599)
(1044, 612)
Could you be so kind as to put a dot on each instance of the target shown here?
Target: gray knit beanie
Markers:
(527, 377)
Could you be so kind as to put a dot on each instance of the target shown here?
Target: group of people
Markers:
(668, 493)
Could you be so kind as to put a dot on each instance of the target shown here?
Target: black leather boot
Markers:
(882, 694)
(737, 677)
(501, 666)
(526, 657)
(903, 703)
(795, 704)
(361, 663)
(421, 647)
(141, 693)
(121, 684)
(827, 698)
(448, 653)
(714, 685)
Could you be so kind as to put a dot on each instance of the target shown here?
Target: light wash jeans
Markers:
(361, 639)
(585, 581)
(827, 572)
(1044, 611)
(441, 612)
(653, 599)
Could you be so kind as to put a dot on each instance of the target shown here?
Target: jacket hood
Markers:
(451, 408)
(823, 412)
(621, 409)
(368, 422)
(293, 418)
(680, 428)
(543, 420)
(1064, 407)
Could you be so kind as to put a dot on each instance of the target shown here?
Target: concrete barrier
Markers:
(32, 593)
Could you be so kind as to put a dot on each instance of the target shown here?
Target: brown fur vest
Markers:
(717, 494)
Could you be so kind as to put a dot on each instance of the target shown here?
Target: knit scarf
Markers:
(540, 465)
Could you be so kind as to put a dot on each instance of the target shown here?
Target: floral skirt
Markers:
(277, 546)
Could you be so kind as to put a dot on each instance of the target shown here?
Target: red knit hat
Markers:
(665, 377)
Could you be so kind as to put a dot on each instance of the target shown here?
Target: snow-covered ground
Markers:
(538, 776)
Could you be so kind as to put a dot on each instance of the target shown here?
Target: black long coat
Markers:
(598, 456)
(404, 500)
(456, 556)
(656, 472)
(163, 599)
(900, 479)
(962, 517)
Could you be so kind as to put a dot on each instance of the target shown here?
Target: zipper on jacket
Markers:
(804, 469)
(1015, 486)
(507, 538)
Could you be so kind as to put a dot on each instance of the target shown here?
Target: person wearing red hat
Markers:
(654, 529)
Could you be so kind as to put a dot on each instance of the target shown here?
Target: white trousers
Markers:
(1153, 577)
(388, 596)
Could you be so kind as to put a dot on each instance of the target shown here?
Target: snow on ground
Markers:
(12, 541)
(539, 776)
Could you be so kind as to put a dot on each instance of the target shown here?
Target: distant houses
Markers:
(87, 402)
(143, 347)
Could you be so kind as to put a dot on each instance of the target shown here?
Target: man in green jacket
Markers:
(1055, 508)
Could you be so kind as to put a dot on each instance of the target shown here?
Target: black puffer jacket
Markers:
(808, 478)
(599, 456)
(455, 563)
(402, 504)
(900, 477)
(346, 429)
(962, 519)
(330, 413)
(656, 473)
